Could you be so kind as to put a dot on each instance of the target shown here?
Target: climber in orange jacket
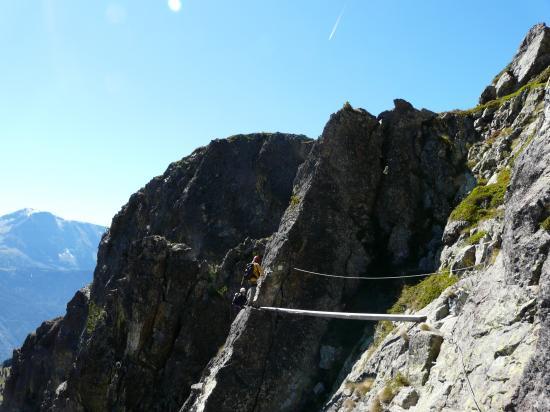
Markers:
(252, 274)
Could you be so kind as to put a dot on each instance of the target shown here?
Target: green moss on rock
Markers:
(482, 202)
(446, 139)
(423, 293)
(414, 298)
(539, 81)
(476, 237)
(95, 315)
(545, 224)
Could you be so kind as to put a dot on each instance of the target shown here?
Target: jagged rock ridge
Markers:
(165, 270)
(372, 194)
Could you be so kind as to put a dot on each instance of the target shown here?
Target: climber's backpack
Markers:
(238, 299)
(249, 270)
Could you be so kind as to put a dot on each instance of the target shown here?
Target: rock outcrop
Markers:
(355, 211)
(46, 357)
(532, 58)
(407, 191)
(485, 343)
(158, 307)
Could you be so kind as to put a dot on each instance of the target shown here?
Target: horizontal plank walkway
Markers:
(348, 315)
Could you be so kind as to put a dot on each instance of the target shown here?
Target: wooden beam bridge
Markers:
(347, 315)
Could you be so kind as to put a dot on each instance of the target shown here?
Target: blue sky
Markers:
(97, 97)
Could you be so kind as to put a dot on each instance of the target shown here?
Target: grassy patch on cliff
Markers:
(214, 288)
(423, 293)
(499, 75)
(482, 202)
(361, 388)
(95, 315)
(497, 134)
(414, 298)
(476, 237)
(545, 224)
(381, 330)
(4, 374)
(393, 387)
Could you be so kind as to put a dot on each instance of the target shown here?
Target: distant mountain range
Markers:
(44, 259)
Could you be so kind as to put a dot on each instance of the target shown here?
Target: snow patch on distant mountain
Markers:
(67, 257)
(35, 239)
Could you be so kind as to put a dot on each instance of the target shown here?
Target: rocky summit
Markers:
(461, 198)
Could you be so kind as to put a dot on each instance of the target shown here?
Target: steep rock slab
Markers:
(483, 342)
(526, 246)
(531, 58)
(211, 200)
(533, 55)
(148, 339)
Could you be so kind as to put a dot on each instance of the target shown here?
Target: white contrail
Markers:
(336, 24)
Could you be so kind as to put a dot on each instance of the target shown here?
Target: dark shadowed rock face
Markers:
(211, 200)
(45, 359)
(368, 190)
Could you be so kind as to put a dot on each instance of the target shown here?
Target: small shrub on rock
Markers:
(393, 387)
(361, 388)
(375, 406)
(294, 200)
(381, 330)
(425, 327)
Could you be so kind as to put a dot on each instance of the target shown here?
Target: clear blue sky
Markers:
(97, 97)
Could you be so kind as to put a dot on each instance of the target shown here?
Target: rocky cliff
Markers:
(463, 193)
(485, 343)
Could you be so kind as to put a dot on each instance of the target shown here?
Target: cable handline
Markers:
(446, 272)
